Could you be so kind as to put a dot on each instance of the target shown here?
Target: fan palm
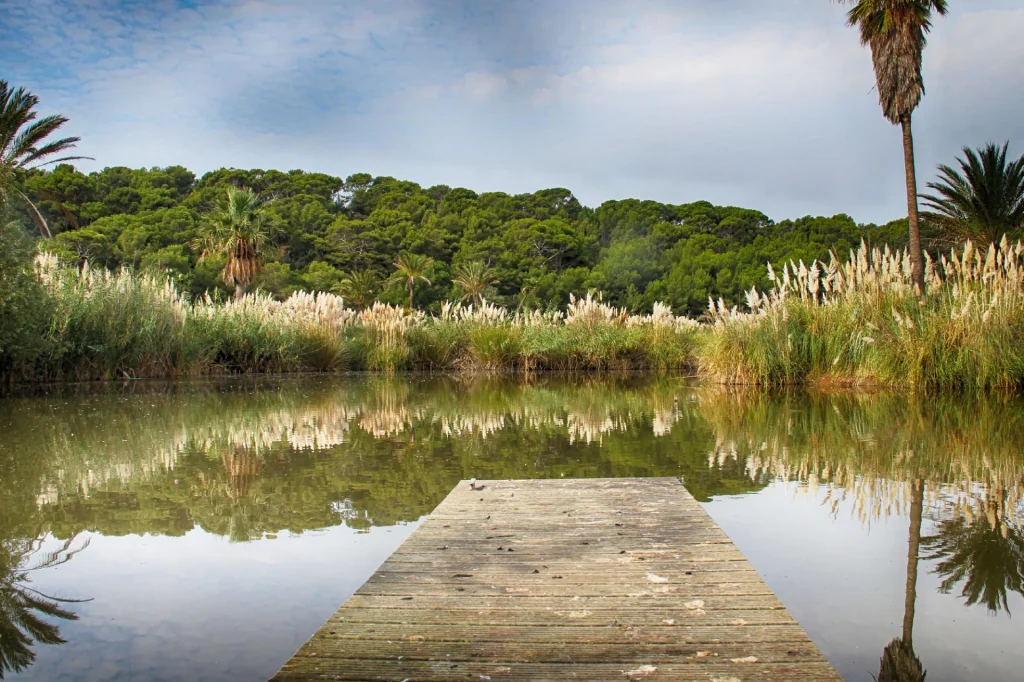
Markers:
(896, 31)
(984, 201)
(410, 268)
(474, 278)
(23, 146)
(21, 607)
(360, 288)
(240, 228)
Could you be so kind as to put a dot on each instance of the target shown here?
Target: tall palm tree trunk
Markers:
(410, 295)
(916, 512)
(916, 255)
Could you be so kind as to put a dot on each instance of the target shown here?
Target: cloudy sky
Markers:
(767, 105)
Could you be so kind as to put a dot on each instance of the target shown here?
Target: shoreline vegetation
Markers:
(852, 321)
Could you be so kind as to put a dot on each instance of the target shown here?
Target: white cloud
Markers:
(771, 110)
(479, 85)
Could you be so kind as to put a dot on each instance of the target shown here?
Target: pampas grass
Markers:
(860, 321)
(853, 321)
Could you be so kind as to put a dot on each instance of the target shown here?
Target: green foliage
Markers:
(344, 235)
(24, 147)
(24, 306)
(984, 202)
(869, 325)
(239, 228)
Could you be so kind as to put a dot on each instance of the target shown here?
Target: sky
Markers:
(766, 105)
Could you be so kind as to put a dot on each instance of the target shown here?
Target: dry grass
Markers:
(848, 322)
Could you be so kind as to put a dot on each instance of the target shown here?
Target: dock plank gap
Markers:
(586, 579)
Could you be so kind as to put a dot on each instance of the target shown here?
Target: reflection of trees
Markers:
(361, 452)
(868, 449)
(899, 662)
(887, 455)
(23, 609)
(986, 555)
(376, 451)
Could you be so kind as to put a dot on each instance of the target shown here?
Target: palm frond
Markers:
(896, 31)
(24, 145)
(34, 213)
(982, 200)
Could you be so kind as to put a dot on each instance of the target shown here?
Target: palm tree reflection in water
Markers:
(899, 662)
(985, 554)
(21, 607)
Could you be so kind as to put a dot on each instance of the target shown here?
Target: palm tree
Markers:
(23, 146)
(360, 288)
(21, 607)
(899, 663)
(474, 278)
(985, 201)
(986, 555)
(239, 227)
(411, 267)
(896, 32)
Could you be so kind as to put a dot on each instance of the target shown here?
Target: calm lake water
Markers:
(208, 529)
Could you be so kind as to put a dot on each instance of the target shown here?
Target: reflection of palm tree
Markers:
(986, 555)
(899, 662)
(21, 607)
(242, 466)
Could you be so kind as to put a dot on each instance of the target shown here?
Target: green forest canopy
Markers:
(541, 246)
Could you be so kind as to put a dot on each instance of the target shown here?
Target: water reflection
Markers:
(250, 461)
(899, 662)
(26, 614)
(986, 557)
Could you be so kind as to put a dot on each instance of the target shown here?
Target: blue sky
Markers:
(740, 102)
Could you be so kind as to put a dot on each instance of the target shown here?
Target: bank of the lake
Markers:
(853, 321)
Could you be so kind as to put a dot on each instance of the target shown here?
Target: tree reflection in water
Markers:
(248, 464)
(899, 662)
(985, 554)
(22, 608)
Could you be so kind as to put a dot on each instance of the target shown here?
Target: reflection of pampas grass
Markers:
(856, 452)
(969, 460)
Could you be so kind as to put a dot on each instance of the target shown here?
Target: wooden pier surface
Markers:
(587, 579)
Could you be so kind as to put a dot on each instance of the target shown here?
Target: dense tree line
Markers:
(540, 247)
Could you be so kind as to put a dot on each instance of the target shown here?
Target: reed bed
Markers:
(857, 321)
(123, 324)
(860, 321)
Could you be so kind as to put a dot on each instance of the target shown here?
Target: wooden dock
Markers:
(587, 579)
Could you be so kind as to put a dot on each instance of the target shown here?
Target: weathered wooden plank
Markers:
(617, 576)
(604, 634)
(558, 589)
(563, 579)
(556, 651)
(566, 604)
(700, 553)
(301, 668)
(515, 568)
(639, 617)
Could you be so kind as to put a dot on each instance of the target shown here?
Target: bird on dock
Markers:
(474, 486)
